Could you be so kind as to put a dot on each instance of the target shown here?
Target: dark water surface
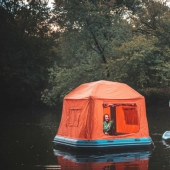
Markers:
(26, 143)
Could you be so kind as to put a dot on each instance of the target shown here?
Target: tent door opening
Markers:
(124, 117)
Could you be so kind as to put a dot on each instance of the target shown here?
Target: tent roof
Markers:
(103, 90)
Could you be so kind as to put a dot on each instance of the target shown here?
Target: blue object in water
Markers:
(166, 135)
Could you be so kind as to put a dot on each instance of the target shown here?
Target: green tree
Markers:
(95, 22)
(90, 31)
(112, 40)
(25, 51)
(153, 21)
(140, 64)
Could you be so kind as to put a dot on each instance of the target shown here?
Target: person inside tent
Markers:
(107, 125)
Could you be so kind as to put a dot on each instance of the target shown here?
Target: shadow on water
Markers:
(26, 143)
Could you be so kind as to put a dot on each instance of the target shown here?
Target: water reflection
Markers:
(133, 160)
(26, 143)
(166, 143)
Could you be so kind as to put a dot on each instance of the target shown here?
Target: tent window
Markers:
(73, 117)
(131, 116)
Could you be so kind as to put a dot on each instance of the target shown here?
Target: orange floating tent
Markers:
(83, 110)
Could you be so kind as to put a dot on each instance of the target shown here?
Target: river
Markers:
(26, 143)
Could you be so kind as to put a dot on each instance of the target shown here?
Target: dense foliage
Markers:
(118, 40)
(25, 52)
(112, 40)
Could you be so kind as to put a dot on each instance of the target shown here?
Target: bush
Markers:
(156, 96)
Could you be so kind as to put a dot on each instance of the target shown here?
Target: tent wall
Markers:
(83, 119)
(74, 119)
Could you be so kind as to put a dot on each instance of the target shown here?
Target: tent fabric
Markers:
(84, 107)
(103, 90)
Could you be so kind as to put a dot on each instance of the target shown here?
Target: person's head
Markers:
(106, 117)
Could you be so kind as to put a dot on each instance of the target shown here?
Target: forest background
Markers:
(45, 52)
